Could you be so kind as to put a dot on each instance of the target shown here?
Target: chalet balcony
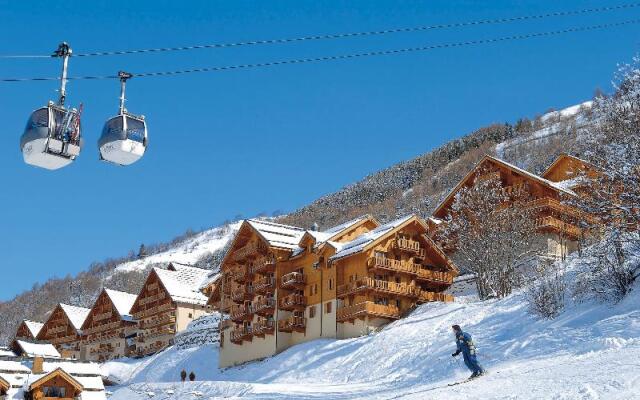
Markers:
(366, 308)
(153, 310)
(558, 225)
(163, 320)
(292, 324)
(145, 336)
(389, 264)
(423, 274)
(410, 246)
(264, 265)
(293, 302)
(265, 285)
(265, 306)
(242, 274)
(238, 335)
(376, 285)
(241, 313)
(239, 295)
(425, 297)
(292, 280)
(548, 203)
(249, 250)
(264, 327)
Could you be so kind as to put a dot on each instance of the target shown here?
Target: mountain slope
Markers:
(589, 352)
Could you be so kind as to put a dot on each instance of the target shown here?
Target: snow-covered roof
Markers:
(184, 283)
(278, 235)
(6, 352)
(532, 176)
(76, 315)
(31, 349)
(122, 301)
(13, 366)
(73, 368)
(358, 244)
(33, 327)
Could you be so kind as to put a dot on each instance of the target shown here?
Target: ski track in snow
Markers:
(592, 351)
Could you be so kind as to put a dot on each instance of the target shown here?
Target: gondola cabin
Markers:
(51, 139)
(124, 139)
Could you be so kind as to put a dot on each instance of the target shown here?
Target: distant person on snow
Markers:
(468, 349)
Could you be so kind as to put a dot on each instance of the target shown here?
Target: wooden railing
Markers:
(151, 299)
(168, 318)
(264, 326)
(401, 289)
(293, 301)
(101, 328)
(293, 323)
(103, 316)
(153, 310)
(242, 293)
(555, 205)
(555, 223)
(240, 313)
(264, 305)
(434, 276)
(425, 296)
(240, 334)
(347, 313)
(265, 285)
(264, 265)
(241, 273)
(292, 279)
(248, 250)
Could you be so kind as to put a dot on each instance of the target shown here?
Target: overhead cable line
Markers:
(344, 56)
(348, 34)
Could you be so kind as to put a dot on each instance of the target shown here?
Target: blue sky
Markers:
(252, 141)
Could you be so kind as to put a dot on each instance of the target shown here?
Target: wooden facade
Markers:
(282, 285)
(109, 332)
(559, 225)
(63, 330)
(167, 302)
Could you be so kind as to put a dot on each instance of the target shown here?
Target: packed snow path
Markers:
(591, 351)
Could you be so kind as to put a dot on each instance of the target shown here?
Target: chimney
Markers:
(37, 365)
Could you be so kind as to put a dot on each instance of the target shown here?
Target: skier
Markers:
(468, 349)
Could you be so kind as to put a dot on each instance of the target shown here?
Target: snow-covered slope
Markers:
(590, 352)
(190, 250)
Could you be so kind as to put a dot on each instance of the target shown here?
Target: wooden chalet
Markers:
(168, 301)
(109, 330)
(383, 274)
(280, 284)
(64, 380)
(63, 330)
(560, 225)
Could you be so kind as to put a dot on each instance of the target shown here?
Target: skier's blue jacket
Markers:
(464, 342)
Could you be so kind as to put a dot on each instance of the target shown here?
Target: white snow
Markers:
(76, 315)
(190, 251)
(278, 235)
(590, 352)
(184, 283)
(33, 326)
(359, 243)
(30, 349)
(122, 301)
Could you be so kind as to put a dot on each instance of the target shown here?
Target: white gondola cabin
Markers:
(52, 138)
(124, 137)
